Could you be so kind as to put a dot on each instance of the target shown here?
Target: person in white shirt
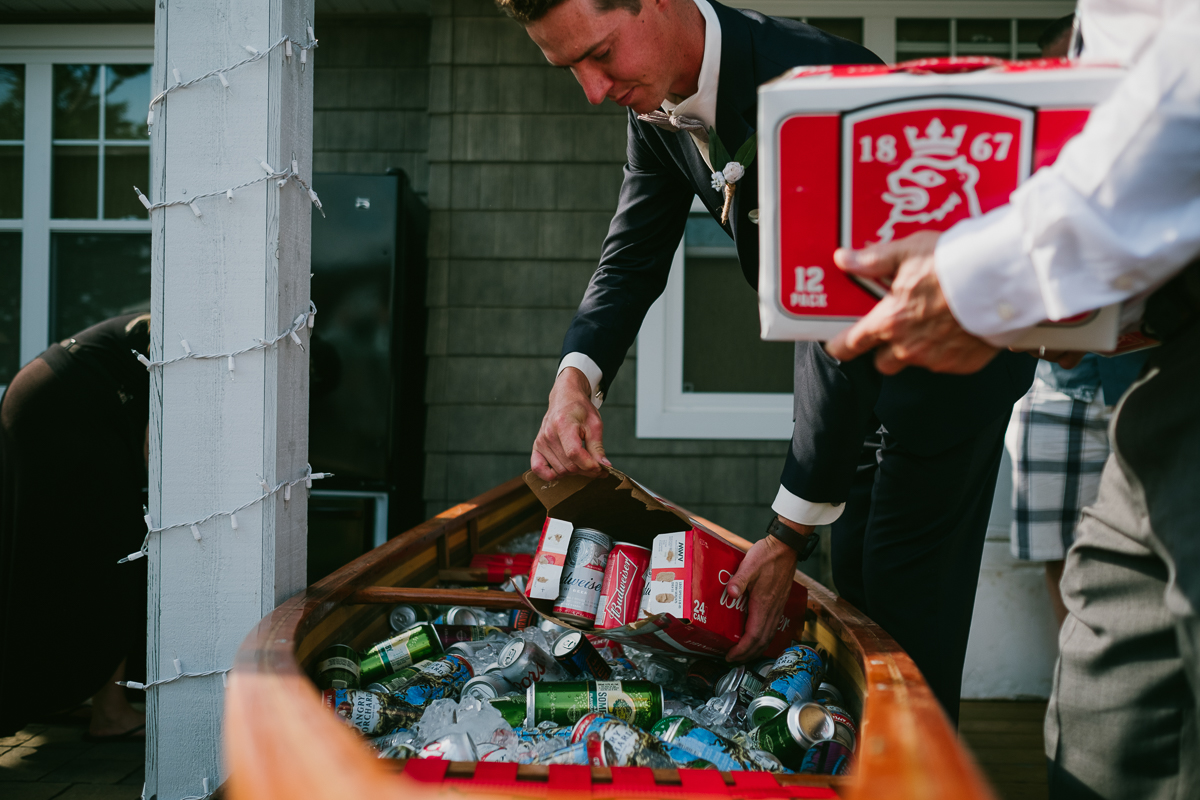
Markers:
(1115, 220)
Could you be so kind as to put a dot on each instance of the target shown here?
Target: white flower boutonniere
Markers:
(731, 170)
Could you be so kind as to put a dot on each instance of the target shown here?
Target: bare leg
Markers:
(111, 713)
(1054, 571)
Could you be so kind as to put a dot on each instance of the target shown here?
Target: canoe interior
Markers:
(899, 720)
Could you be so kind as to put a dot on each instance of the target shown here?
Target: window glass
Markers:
(922, 38)
(984, 37)
(12, 102)
(96, 276)
(10, 304)
(846, 27)
(76, 101)
(126, 98)
(722, 351)
(12, 181)
(1028, 33)
(75, 173)
(124, 168)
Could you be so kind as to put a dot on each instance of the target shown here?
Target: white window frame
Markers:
(39, 48)
(664, 410)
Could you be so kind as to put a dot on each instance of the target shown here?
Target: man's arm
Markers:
(1115, 216)
(634, 264)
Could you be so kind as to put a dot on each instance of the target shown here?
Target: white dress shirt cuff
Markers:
(590, 371)
(797, 509)
(988, 280)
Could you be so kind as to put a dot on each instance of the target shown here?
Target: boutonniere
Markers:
(731, 170)
(675, 123)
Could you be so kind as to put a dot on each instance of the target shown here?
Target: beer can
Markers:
(399, 651)
(624, 745)
(401, 750)
(487, 686)
(724, 754)
(337, 668)
(515, 583)
(788, 735)
(828, 694)
(373, 714)
(488, 751)
(590, 752)
(621, 590)
(511, 707)
(793, 678)
(608, 649)
(826, 757)
(582, 577)
(390, 683)
(664, 670)
(449, 634)
(524, 663)
(639, 703)
(521, 618)
(743, 680)
(575, 654)
(406, 615)
(462, 615)
(435, 680)
(455, 747)
(471, 649)
(731, 706)
(845, 731)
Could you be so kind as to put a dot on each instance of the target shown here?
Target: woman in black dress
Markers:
(72, 483)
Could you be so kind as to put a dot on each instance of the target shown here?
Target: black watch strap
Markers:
(803, 543)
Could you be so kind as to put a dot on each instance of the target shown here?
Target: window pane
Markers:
(1031, 31)
(97, 276)
(12, 101)
(721, 348)
(126, 99)
(75, 171)
(10, 304)
(846, 27)
(12, 181)
(991, 37)
(703, 233)
(922, 38)
(124, 168)
(76, 101)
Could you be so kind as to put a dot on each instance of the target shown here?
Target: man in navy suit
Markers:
(904, 467)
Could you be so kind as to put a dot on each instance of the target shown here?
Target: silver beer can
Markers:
(487, 685)
(583, 577)
(524, 664)
(463, 615)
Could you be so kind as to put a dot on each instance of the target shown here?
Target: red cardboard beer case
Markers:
(854, 155)
(688, 610)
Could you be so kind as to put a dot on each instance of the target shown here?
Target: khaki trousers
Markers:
(1122, 720)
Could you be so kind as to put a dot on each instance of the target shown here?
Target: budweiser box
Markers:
(853, 156)
(685, 609)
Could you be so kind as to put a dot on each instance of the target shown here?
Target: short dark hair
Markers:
(1055, 30)
(527, 11)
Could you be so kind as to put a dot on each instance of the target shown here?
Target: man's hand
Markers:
(571, 438)
(766, 573)
(912, 325)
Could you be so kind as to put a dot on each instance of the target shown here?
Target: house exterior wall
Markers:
(371, 96)
(524, 176)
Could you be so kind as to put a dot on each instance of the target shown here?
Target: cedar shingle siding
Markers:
(522, 180)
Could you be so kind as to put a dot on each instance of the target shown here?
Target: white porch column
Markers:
(222, 281)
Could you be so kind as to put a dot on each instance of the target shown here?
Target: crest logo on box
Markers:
(926, 164)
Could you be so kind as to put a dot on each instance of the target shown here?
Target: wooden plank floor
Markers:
(1006, 738)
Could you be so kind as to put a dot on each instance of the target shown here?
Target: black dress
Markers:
(72, 484)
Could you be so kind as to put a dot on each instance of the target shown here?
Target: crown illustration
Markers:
(935, 141)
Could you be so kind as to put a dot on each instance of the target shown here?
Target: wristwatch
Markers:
(803, 543)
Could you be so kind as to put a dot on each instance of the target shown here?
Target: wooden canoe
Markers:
(280, 742)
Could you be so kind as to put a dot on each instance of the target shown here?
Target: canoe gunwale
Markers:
(280, 742)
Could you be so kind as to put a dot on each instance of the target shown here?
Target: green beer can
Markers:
(512, 707)
(406, 648)
(639, 703)
(788, 735)
(337, 668)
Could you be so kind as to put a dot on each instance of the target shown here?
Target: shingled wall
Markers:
(523, 180)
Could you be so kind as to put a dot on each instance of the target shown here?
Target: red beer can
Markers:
(624, 579)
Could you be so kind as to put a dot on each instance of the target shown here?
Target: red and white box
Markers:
(624, 581)
(687, 609)
(853, 156)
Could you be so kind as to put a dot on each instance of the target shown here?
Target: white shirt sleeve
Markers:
(797, 509)
(1115, 216)
(590, 370)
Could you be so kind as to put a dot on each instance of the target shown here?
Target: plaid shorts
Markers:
(1058, 446)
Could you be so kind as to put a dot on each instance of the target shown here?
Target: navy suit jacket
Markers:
(835, 404)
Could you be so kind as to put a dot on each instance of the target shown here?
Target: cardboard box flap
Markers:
(612, 502)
